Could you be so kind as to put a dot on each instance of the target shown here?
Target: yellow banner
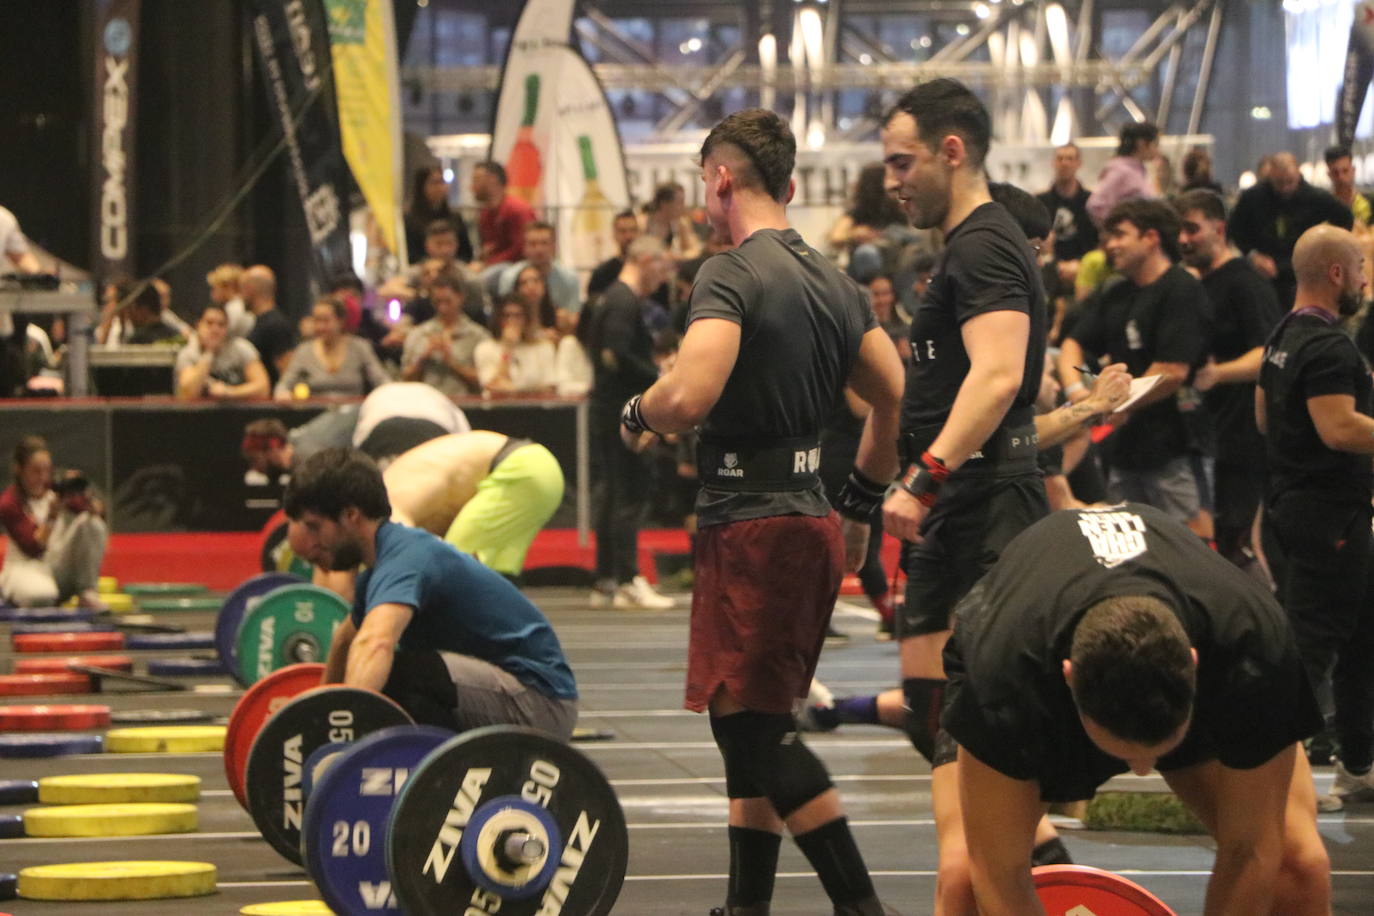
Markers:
(362, 36)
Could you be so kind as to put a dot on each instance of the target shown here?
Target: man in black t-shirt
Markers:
(1314, 407)
(272, 335)
(1067, 200)
(1157, 321)
(1112, 639)
(622, 356)
(775, 332)
(1244, 310)
(625, 229)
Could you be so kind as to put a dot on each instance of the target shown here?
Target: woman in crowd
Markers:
(332, 363)
(861, 233)
(665, 217)
(518, 360)
(57, 536)
(533, 293)
(429, 202)
(215, 365)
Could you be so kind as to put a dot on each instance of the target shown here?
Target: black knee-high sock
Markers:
(1051, 852)
(832, 852)
(753, 865)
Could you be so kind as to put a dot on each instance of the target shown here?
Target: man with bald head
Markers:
(1314, 407)
(271, 333)
(1270, 216)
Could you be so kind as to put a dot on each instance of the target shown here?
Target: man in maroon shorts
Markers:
(775, 334)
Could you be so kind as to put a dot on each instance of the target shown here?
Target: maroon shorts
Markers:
(763, 595)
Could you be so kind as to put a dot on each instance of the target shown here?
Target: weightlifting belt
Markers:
(778, 466)
(1010, 450)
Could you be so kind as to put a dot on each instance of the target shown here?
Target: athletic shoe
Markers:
(817, 718)
(757, 909)
(1347, 787)
(834, 637)
(639, 594)
(599, 598)
(1322, 749)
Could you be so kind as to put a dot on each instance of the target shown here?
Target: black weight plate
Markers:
(275, 763)
(18, 791)
(424, 836)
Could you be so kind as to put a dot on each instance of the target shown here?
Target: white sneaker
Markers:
(638, 593)
(1350, 788)
(599, 599)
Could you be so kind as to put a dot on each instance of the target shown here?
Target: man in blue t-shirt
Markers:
(451, 641)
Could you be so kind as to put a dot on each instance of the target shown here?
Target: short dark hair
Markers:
(1134, 133)
(27, 447)
(1025, 208)
(766, 141)
(942, 107)
(539, 225)
(440, 227)
(346, 279)
(667, 192)
(1335, 153)
(1133, 670)
(625, 214)
(334, 479)
(1146, 215)
(335, 303)
(447, 279)
(214, 307)
(1208, 203)
(261, 435)
(494, 168)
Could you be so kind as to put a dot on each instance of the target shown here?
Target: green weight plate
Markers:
(290, 625)
(164, 604)
(140, 589)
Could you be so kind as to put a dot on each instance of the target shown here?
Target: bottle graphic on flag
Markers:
(523, 169)
(590, 224)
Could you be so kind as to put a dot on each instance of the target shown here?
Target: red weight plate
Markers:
(60, 664)
(38, 685)
(1072, 890)
(68, 642)
(53, 718)
(257, 703)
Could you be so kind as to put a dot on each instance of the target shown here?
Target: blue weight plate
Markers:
(74, 626)
(317, 759)
(45, 745)
(185, 667)
(11, 826)
(198, 640)
(45, 614)
(511, 812)
(343, 834)
(238, 603)
(18, 791)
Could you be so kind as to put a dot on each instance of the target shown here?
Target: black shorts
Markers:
(969, 525)
(397, 435)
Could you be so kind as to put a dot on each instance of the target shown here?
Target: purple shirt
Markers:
(1122, 178)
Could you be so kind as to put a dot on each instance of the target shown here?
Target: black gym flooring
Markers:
(629, 667)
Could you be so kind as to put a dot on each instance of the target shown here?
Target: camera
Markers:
(71, 485)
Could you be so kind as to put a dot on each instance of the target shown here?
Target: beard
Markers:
(346, 556)
(1348, 303)
(927, 209)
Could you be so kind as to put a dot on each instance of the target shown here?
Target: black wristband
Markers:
(860, 497)
(631, 418)
(922, 484)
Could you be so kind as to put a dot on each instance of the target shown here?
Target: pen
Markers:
(1089, 377)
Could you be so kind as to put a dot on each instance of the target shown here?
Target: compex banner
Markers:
(293, 54)
(113, 136)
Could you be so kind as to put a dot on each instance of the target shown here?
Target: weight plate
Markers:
(1077, 889)
(110, 820)
(38, 685)
(317, 717)
(118, 789)
(159, 716)
(164, 588)
(185, 667)
(423, 839)
(168, 739)
(292, 624)
(46, 614)
(48, 745)
(46, 718)
(288, 908)
(117, 881)
(73, 626)
(68, 642)
(344, 830)
(193, 603)
(511, 872)
(320, 759)
(62, 664)
(257, 703)
(238, 603)
(18, 791)
(198, 640)
(11, 826)
(9, 887)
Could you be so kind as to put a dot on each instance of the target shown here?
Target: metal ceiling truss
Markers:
(1024, 57)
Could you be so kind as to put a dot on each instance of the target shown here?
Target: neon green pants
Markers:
(499, 523)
